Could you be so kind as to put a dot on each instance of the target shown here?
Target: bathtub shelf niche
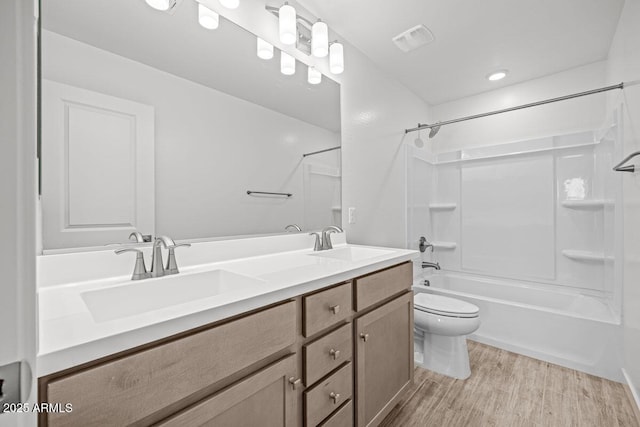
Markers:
(578, 255)
(444, 245)
(442, 206)
(587, 204)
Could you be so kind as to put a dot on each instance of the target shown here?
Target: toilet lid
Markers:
(444, 306)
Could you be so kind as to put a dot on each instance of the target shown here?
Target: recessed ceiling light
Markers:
(497, 75)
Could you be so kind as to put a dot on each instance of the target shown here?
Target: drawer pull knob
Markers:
(365, 337)
(295, 382)
(335, 397)
(335, 309)
(334, 353)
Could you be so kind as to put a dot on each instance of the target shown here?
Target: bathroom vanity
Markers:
(332, 347)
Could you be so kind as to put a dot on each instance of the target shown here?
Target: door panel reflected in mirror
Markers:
(224, 122)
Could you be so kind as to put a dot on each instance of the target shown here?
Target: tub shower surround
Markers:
(525, 230)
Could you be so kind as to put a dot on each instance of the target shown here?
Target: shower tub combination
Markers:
(575, 330)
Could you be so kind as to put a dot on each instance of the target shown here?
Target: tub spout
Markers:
(435, 265)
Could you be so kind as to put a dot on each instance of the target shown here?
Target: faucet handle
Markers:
(172, 265)
(317, 245)
(139, 270)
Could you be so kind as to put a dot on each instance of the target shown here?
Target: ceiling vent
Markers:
(413, 38)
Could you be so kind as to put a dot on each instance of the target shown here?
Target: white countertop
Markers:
(69, 335)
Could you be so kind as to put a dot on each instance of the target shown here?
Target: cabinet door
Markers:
(384, 359)
(264, 399)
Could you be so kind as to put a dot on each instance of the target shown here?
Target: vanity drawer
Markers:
(343, 417)
(327, 353)
(326, 308)
(383, 284)
(126, 390)
(324, 398)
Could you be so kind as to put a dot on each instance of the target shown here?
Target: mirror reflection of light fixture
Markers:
(162, 5)
(207, 17)
(287, 64)
(287, 24)
(264, 49)
(320, 39)
(336, 58)
(314, 76)
(230, 4)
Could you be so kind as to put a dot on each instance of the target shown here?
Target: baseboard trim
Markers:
(632, 394)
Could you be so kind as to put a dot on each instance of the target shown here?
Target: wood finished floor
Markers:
(510, 390)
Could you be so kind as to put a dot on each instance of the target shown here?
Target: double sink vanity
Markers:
(258, 331)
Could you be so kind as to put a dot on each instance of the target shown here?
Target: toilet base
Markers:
(444, 355)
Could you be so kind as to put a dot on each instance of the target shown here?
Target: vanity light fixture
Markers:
(207, 17)
(320, 39)
(287, 64)
(497, 75)
(230, 4)
(336, 57)
(264, 49)
(162, 5)
(314, 76)
(287, 24)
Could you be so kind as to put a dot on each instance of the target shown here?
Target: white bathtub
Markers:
(562, 327)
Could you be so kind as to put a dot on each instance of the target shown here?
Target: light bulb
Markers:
(159, 4)
(497, 75)
(314, 76)
(230, 4)
(207, 17)
(264, 49)
(287, 24)
(287, 64)
(336, 58)
(320, 39)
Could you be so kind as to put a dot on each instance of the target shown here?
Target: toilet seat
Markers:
(444, 306)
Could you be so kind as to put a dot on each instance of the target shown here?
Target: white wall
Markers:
(18, 335)
(551, 119)
(624, 65)
(375, 110)
(210, 147)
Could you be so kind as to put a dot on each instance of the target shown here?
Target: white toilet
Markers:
(441, 326)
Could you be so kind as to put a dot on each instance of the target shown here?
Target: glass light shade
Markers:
(264, 49)
(287, 64)
(159, 4)
(314, 76)
(207, 17)
(336, 58)
(287, 24)
(230, 4)
(320, 39)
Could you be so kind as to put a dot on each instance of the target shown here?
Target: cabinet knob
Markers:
(335, 309)
(364, 337)
(295, 382)
(334, 353)
(335, 397)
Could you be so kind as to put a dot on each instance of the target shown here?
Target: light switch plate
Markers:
(352, 215)
(10, 374)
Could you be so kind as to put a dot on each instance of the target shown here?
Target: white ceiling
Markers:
(530, 38)
(223, 59)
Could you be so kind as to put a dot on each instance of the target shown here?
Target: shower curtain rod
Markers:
(519, 107)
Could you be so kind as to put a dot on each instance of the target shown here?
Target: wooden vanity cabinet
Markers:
(384, 358)
(338, 357)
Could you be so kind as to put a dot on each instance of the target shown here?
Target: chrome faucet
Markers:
(423, 244)
(157, 269)
(326, 238)
(292, 227)
(427, 264)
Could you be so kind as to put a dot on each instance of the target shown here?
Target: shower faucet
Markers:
(434, 265)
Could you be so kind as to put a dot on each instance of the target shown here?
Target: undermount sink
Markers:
(351, 253)
(136, 297)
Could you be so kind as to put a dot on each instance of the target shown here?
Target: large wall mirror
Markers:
(152, 123)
